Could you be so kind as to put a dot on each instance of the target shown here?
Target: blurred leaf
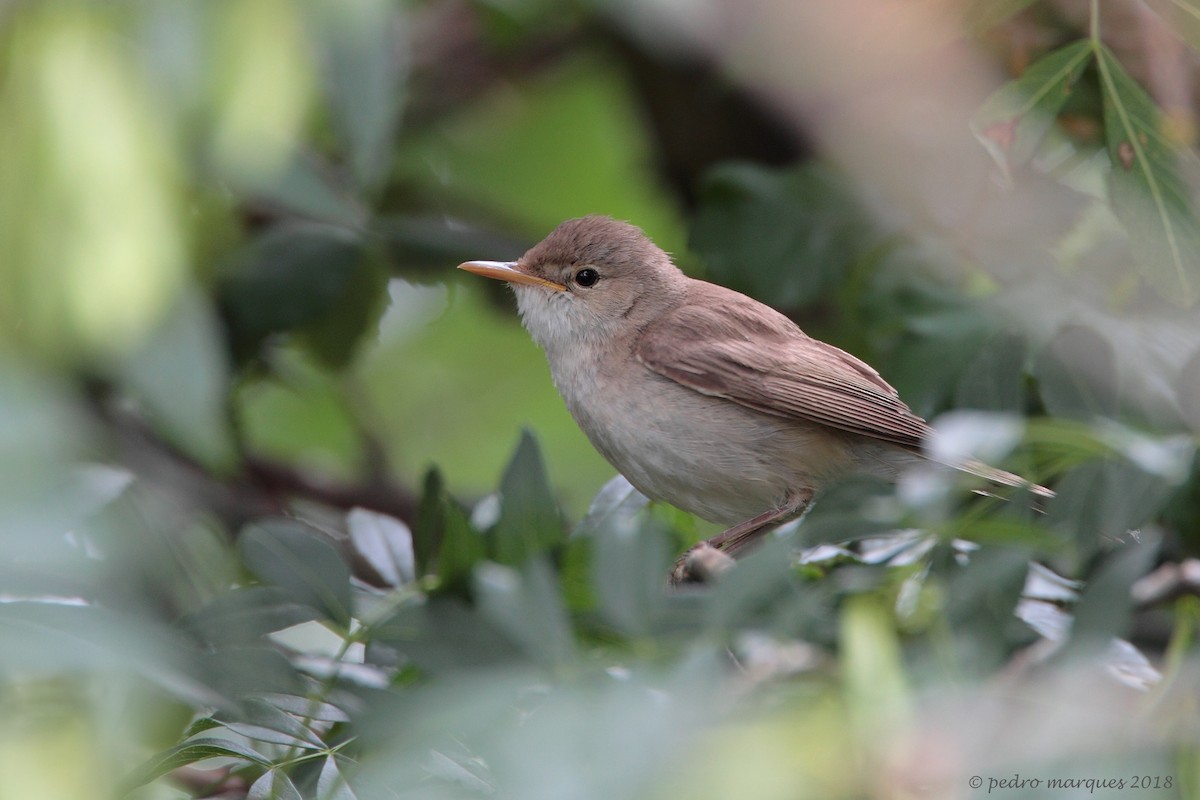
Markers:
(290, 555)
(526, 605)
(446, 538)
(758, 584)
(53, 639)
(1103, 500)
(434, 243)
(262, 87)
(251, 669)
(617, 503)
(1146, 188)
(1012, 123)
(306, 187)
(1187, 391)
(530, 522)
(979, 602)
(1077, 374)
(630, 562)
(273, 785)
(1105, 607)
(496, 153)
(306, 707)
(300, 413)
(1185, 21)
(443, 636)
(875, 684)
(385, 542)
(993, 380)
(980, 15)
(291, 276)
(90, 213)
(363, 45)
(785, 237)
(190, 753)
(246, 614)
(256, 719)
(337, 336)
(181, 374)
(331, 785)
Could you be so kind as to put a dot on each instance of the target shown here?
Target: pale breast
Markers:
(705, 455)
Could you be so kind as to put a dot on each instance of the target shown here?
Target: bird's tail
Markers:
(1004, 478)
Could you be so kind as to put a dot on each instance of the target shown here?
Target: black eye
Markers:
(587, 277)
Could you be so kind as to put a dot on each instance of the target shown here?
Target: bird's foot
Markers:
(701, 564)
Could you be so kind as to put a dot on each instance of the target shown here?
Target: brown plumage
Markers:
(700, 395)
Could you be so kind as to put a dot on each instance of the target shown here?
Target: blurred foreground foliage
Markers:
(231, 348)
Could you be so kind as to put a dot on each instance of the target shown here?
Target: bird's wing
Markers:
(724, 344)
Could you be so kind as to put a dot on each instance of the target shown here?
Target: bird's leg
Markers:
(714, 556)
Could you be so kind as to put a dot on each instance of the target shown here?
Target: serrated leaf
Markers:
(189, 753)
(273, 785)
(530, 522)
(1146, 188)
(385, 542)
(1013, 121)
(290, 555)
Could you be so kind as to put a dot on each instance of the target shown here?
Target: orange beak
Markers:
(508, 271)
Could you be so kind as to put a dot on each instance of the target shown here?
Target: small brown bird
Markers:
(700, 395)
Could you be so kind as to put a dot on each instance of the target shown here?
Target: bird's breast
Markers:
(706, 455)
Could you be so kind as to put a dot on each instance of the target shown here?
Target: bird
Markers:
(701, 396)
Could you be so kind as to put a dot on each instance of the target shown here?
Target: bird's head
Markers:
(591, 279)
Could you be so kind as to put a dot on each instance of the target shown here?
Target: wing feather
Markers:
(724, 344)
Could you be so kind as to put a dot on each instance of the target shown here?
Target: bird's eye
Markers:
(586, 277)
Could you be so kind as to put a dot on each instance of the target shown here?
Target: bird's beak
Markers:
(508, 271)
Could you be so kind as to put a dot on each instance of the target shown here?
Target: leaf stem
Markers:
(1094, 23)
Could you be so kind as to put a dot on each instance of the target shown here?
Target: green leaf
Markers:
(1146, 188)
(1105, 608)
(273, 785)
(190, 753)
(980, 15)
(335, 338)
(1077, 374)
(181, 375)
(257, 719)
(630, 561)
(290, 555)
(526, 605)
(444, 540)
(385, 542)
(1012, 123)
(530, 522)
(246, 614)
(363, 69)
(784, 237)
(332, 785)
(293, 275)
(993, 380)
